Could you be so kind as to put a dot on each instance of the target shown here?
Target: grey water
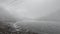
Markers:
(40, 16)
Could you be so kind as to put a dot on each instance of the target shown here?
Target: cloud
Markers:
(32, 8)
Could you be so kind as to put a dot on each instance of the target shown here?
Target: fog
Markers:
(32, 8)
(42, 16)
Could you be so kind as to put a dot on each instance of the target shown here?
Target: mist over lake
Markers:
(42, 16)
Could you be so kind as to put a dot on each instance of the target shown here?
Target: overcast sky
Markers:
(31, 8)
